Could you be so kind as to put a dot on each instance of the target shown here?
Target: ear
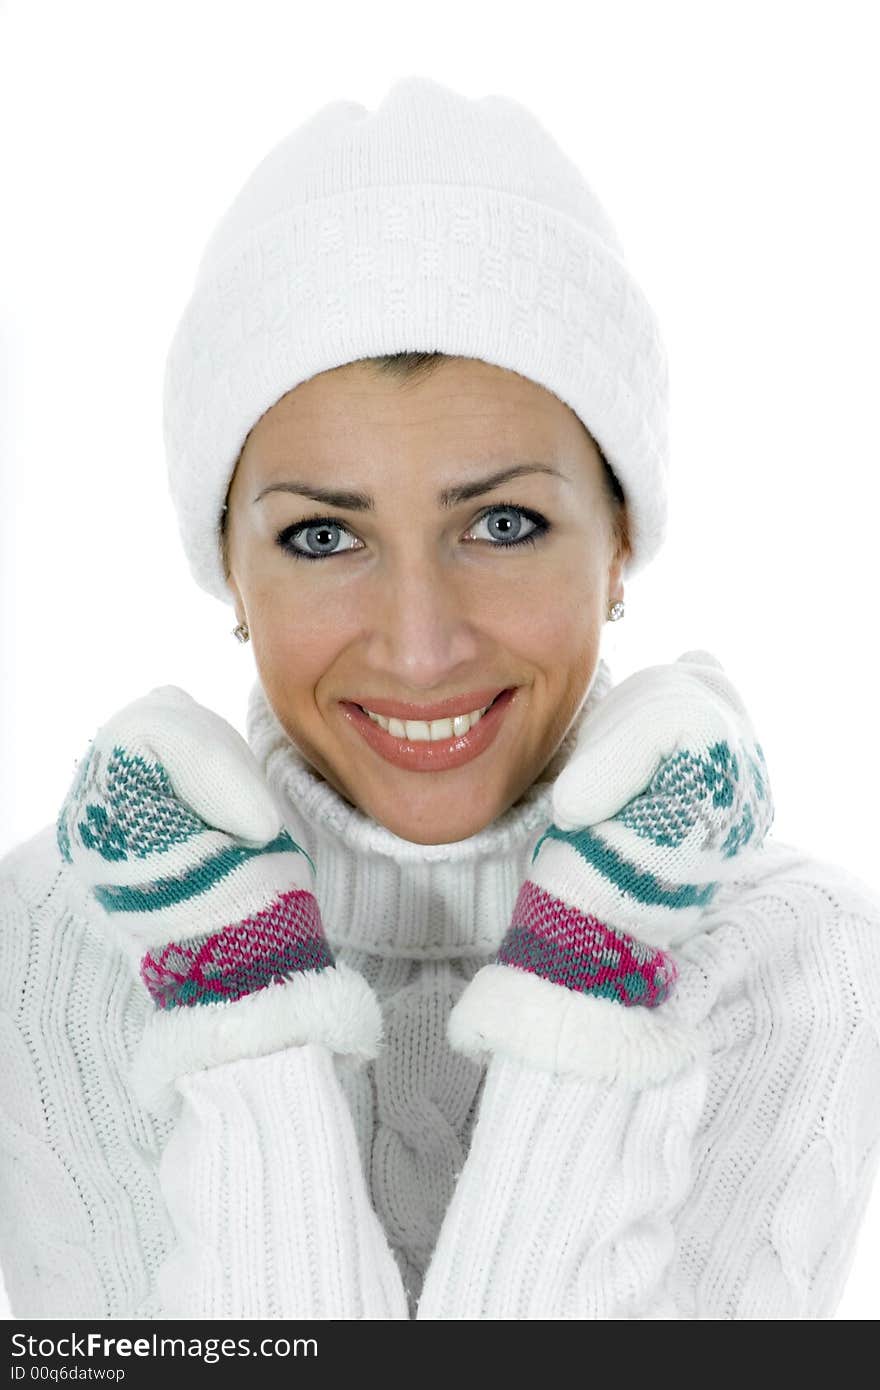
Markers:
(620, 556)
(231, 585)
(225, 556)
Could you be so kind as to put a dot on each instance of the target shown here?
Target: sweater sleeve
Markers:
(264, 1186)
(731, 1189)
(564, 1206)
(241, 1196)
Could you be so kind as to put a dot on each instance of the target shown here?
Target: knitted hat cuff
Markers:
(471, 272)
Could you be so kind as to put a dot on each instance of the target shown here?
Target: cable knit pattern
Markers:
(784, 984)
(763, 1158)
(426, 1184)
(416, 1104)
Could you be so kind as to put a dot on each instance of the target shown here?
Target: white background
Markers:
(734, 146)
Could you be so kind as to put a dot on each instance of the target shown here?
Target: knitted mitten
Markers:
(173, 832)
(664, 797)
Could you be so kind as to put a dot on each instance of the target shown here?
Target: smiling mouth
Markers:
(436, 745)
(431, 730)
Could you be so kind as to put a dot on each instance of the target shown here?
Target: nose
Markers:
(422, 632)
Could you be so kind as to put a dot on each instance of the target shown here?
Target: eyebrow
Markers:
(447, 497)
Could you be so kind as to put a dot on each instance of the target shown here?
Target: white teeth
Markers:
(434, 731)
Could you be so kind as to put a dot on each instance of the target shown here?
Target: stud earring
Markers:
(242, 632)
(615, 612)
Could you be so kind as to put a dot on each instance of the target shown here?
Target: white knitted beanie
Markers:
(434, 223)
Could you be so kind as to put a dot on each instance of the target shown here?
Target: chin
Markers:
(431, 822)
(445, 834)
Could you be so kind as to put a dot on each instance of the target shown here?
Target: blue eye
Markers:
(321, 534)
(509, 521)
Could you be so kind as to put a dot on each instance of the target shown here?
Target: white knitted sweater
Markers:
(426, 1184)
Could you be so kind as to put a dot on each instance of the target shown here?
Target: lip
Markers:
(440, 709)
(424, 756)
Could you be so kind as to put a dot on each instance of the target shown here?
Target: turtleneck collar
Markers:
(385, 895)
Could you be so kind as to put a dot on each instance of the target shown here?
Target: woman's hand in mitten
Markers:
(173, 831)
(664, 797)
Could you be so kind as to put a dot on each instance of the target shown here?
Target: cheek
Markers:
(297, 636)
(555, 619)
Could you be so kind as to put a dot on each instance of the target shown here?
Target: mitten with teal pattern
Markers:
(173, 834)
(664, 798)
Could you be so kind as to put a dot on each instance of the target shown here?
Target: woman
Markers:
(473, 985)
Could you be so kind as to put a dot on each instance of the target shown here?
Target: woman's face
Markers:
(416, 598)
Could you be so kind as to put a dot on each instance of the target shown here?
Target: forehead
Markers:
(459, 399)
